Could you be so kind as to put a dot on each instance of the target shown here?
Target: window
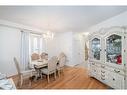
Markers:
(36, 44)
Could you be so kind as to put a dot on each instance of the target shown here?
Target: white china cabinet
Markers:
(107, 56)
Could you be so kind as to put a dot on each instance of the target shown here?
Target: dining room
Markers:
(48, 47)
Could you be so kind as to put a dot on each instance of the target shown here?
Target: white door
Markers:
(77, 55)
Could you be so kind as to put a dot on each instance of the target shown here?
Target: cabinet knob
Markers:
(113, 79)
(102, 78)
(93, 63)
(102, 75)
(103, 71)
(117, 71)
(103, 66)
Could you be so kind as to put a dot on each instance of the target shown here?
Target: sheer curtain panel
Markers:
(24, 50)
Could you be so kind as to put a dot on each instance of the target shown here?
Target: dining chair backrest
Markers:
(62, 61)
(52, 63)
(61, 55)
(44, 55)
(17, 66)
(35, 56)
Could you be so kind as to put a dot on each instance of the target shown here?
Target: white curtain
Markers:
(24, 50)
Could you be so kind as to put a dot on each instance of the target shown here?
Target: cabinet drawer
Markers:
(103, 66)
(116, 81)
(95, 64)
(93, 72)
(115, 70)
(103, 71)
(98, 65)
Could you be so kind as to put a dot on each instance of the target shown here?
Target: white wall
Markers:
(10, 38)
(9, 48)
(119, 20)
(70, 43)
(62, 42)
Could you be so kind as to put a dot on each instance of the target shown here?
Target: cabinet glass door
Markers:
(96, 48)
(114, 49)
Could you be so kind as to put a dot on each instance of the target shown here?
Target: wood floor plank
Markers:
(72, 78)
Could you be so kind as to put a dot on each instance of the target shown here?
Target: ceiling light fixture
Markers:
(86, 33)
(48, 34)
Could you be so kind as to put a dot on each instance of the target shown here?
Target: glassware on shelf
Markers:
(96, 48)
(113, 49)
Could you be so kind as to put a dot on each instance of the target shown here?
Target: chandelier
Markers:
(48, 35)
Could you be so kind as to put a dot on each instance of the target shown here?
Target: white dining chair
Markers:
(22, 75)
(51, 68)
(35, 56)
(61, 63)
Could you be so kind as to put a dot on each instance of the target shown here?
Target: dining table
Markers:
(38, 65)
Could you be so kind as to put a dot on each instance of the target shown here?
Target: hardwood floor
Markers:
(72, 78)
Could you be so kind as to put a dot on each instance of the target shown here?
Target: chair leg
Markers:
(55, 75)
(30, 82)
(59, 73)
(63, 72)
(41, 76)
(36, 76)
(48, 78)
(21, 81)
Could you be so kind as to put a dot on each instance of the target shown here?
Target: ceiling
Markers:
(60, 18)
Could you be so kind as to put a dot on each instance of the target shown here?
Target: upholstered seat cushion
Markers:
(26, 72)
(46, 71)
